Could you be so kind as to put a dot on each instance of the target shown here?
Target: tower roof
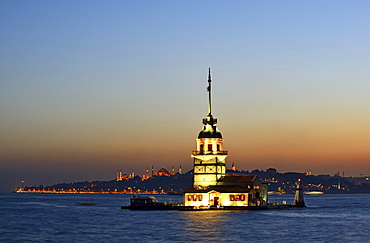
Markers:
(216, 134)
(209, 129)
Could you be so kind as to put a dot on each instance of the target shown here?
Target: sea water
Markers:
(59, 218)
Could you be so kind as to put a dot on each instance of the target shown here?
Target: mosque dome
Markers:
(162, 172)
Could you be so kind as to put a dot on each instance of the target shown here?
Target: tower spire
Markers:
(209, 92)
(209, 121)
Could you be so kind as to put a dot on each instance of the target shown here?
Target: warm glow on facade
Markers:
(217, 199)
(209, 161)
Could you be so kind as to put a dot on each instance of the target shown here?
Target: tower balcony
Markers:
(209, 153)
(209, 120)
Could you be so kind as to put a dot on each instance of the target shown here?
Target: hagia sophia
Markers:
(146, 176)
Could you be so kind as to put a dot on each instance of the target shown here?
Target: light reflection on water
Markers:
(204, 225)
(58, 218)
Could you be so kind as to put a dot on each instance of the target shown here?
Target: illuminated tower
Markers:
(298, 197)
(172, 170)
(233, 167)
(119, 176)
(209, 158)
(147, 173)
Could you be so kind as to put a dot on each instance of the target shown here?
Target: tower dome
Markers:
(209, 129)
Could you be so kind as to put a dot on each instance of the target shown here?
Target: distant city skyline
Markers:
(87, 89)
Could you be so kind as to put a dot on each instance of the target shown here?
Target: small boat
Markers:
(150, 203)
(271, 193)
(313, 192)
(86, 203)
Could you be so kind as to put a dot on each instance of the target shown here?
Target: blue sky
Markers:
(89, 88)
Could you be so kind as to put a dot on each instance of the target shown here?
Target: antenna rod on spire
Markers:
(209, 91)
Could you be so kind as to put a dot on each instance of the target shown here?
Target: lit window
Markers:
(192, 197)
(237, 197)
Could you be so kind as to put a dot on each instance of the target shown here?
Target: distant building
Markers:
(146, 176)
(121, 176)
(180, 170)
(211, 186)
(233, 167)
(172, 170)
(162, 172)
(146, 173)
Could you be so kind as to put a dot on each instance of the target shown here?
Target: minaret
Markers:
(209, 158)
(233, 167)
(119, 176)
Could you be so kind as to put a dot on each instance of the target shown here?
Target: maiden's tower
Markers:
(212, 187)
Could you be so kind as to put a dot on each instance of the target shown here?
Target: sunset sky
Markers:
(91, 87)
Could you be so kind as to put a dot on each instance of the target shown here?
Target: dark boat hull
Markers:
(150, 207)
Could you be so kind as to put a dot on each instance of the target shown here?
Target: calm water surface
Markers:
(58, 218)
